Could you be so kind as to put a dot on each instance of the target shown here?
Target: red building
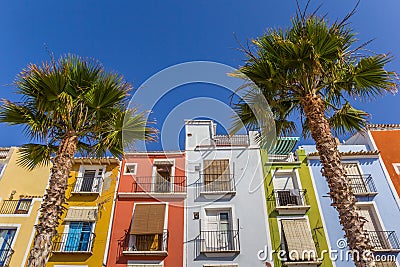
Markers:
(148, 222)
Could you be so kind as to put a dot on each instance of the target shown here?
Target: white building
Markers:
(226, 214)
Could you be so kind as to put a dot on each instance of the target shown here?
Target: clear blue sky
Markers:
(140, 38)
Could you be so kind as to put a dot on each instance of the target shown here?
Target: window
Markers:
(163, 176)
(217, 233)
(78, 233)
(79, 236)
(6, 238)
(396, 167)
(23, 206)
(297, 240)
(130, 168)
(353, 173)
(89, 180)
(20, 206)
(379, 239)
(216, 175)
(147, 231)
(2, 168)
(286, 189)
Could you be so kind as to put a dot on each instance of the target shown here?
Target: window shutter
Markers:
(385, 264)
(216, 169)
(299, 238)
(82, 214)
(148, 219)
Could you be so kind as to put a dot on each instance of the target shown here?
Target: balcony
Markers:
(362, 185)
(146, 244)
(21, 206)
(287, 158)
(219, 185)
(292, 201)
(219, 242)
(157, 186)
(73, 243)
(5, 255)
(384, 241)
(234, 140)
(89, 186)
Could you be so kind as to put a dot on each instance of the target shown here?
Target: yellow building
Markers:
(83, 234)
(21, 193)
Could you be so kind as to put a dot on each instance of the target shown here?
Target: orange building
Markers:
(148, 222)
(386, 139)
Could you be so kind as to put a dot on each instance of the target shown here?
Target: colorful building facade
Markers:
(84, 231)
(377, 203)
(148, 223)
(225, 222)
(386, 139)
(298, 234)
(21, 193)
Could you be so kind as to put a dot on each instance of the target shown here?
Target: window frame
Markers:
(130, 164)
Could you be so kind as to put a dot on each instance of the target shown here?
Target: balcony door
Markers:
(78, 237)
(377, 237)
(286, 189)
(355, 177)
(163, 176)
(219, 230)
(90, 180)
(6, 238)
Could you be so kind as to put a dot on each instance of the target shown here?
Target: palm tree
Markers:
(70, 105)
(309, 70)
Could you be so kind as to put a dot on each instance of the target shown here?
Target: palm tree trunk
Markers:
(334, 172)
(52, 205)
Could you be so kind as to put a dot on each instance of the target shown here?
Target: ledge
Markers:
(219, 194)
(151, 195)
(145, 253)
(219, 254)
(292, 209)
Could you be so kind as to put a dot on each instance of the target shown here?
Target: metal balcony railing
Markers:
(214, 183)
(88, 185)
(21, 206)
(234, 140)
(73, 242)
(383, 240)
(5, 255)
(146, 242)
(159, 184)
(361, 184)
(290, 157)
(220, 241)
(291, 197)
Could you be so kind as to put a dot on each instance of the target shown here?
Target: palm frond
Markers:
(35, 155)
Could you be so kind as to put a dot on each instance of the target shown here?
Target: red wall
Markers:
(388, 143)
(124, 209)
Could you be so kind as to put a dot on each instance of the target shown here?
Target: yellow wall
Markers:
(104, 201)
(24, 182)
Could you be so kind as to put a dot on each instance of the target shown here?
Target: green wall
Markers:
(313, 213)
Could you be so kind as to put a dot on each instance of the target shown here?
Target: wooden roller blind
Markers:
(351, 168)
(87, 214)
(148, 219)
(385, 264)
(299, 238)
(216, 169)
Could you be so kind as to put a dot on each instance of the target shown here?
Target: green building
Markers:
(297, 233)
